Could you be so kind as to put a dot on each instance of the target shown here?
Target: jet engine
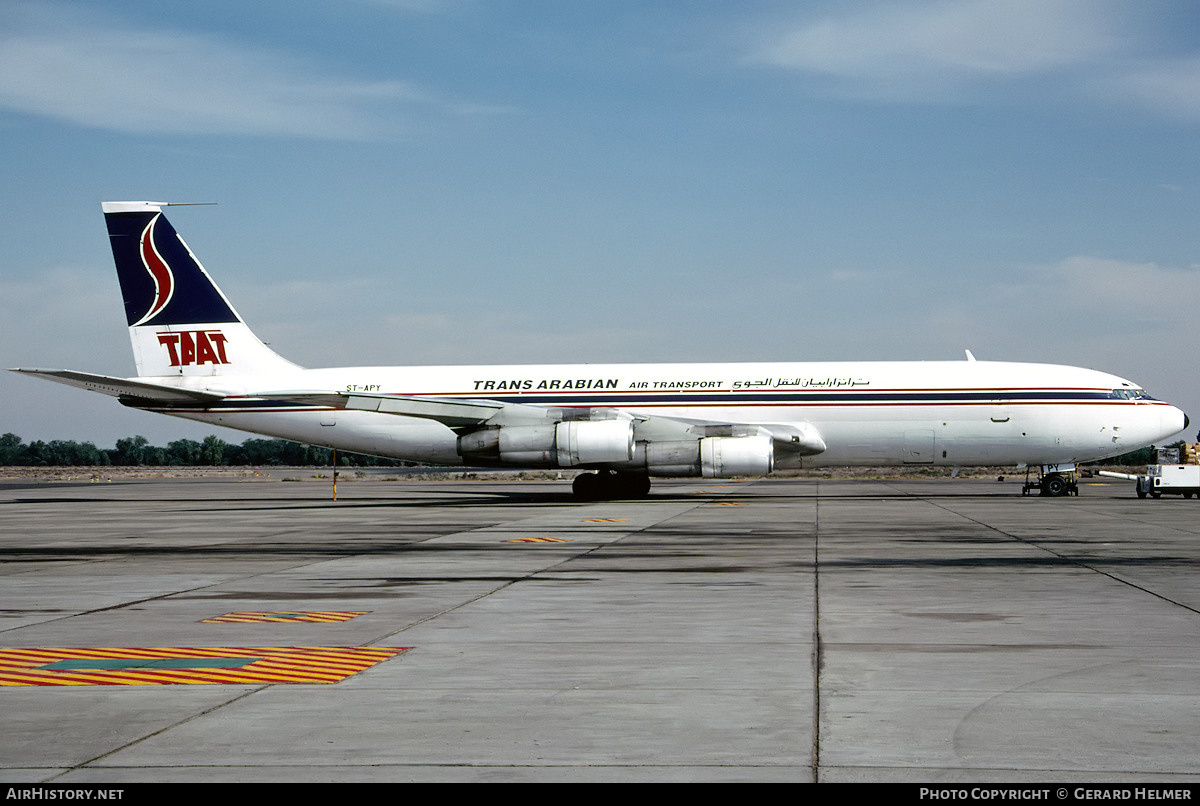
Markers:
(563, 444)
(710, 457)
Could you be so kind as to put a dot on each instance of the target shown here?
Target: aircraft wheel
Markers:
(634, 485)
(586, 486)
(1141, 493)
(1055, 485)
(619, 484)
(607, 484)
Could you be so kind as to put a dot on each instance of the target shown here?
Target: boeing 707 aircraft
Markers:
(622, 423)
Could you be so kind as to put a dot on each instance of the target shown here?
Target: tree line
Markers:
(212, 451)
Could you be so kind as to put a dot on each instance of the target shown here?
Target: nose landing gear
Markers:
(1053, 480)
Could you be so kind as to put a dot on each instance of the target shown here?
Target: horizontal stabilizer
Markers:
(124, 387)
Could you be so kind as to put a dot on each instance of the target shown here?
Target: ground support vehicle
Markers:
(1159, 479)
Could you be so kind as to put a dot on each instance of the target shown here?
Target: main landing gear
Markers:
(606, 484)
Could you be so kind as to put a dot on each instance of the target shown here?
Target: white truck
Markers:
(1172, 479)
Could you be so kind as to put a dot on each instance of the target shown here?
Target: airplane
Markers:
(620, 424)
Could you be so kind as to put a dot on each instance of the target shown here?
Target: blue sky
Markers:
(474, 181)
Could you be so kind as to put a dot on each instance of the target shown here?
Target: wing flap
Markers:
(798, 438)
(453, 413)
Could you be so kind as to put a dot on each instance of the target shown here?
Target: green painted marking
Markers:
(116, 664)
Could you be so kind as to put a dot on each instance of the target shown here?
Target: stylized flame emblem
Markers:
(160, 272)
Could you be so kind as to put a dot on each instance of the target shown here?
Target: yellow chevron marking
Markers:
(727, 504)
(157, 666)
(314, 616)
(604, 520)
(538, 540)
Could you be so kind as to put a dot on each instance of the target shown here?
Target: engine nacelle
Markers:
(590, 442)
(562, 444)
(721, 457)
(710, 457)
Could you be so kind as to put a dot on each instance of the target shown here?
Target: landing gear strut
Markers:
(606, 484)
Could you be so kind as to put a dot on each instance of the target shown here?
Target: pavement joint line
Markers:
(387, 637)
(163, 596)
(153, 734)
(1066, 558)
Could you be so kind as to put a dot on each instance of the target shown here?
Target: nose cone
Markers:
(1173, 421)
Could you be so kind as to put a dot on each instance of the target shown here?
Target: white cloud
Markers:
(1170, 86)
(1123, 287)
(51, 317)
(932, 50)
(1126, 317)
(96, 73)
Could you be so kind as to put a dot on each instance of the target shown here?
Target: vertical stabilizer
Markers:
(179, 321)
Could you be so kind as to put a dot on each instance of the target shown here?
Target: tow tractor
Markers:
(1172, 479)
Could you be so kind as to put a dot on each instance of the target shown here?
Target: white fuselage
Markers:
(868, 413)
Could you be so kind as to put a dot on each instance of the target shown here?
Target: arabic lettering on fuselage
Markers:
(801, 383)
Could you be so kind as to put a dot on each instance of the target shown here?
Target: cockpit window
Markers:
(1130, 394)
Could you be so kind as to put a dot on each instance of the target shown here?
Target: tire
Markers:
(1055, 485)
(586, 487)
(633, 485)
(608, 484)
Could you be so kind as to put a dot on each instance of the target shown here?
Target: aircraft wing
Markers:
(799, 438)
(451, 412)
(124, 388)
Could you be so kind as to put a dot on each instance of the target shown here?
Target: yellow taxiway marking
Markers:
(310, 616)
(727, 504)
(159, 666)
(604, 520)
(538, 540)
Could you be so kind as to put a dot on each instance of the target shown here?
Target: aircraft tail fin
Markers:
(180, 323)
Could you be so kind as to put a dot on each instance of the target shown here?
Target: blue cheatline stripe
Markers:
(783, 399)
(818, 397)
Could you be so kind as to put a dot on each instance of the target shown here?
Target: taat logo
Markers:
(160, 272)
(188, 348)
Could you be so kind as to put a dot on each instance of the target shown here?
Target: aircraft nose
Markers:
(1174, 421)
